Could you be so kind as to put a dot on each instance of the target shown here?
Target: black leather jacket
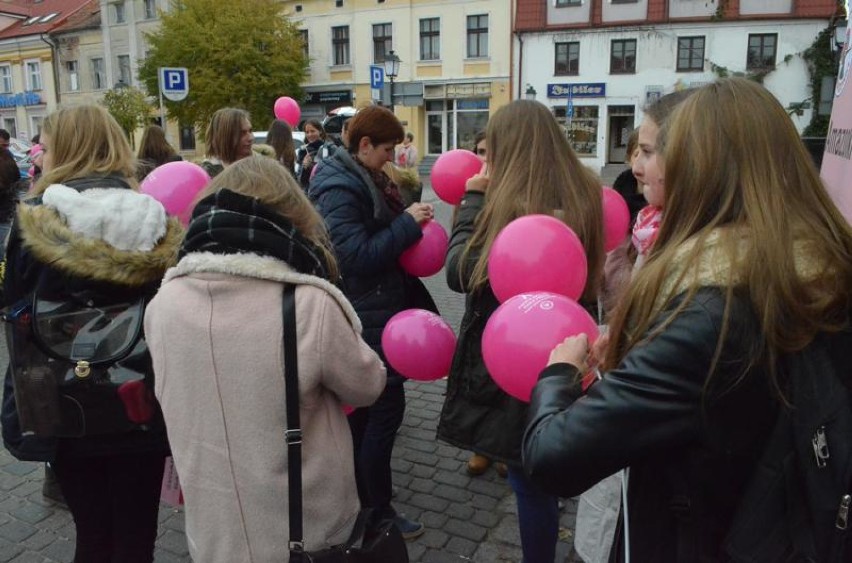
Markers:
(690, 440)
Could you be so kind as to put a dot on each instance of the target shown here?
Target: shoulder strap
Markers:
(293, 435)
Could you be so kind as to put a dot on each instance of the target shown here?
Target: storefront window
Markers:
(582, 128)
(453, 124)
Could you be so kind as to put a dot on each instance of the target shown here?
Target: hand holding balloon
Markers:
(478, 182)
(573, 350)
(422, 212)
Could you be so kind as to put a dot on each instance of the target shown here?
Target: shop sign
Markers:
(340, 97)
(581, 90)
(19, 99)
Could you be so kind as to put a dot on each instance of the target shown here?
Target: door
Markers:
(621, 120)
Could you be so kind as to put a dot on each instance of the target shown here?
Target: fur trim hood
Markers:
(261, 267)
(51, 241)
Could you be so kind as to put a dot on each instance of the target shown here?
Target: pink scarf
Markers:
(646, 227)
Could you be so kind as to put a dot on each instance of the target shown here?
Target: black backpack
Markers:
(797, 505)
(79, 363)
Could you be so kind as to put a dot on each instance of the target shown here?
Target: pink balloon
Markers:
(537, 253)
(175, 185)
(521, 333)
(450, 173)
(347, 410)
(419, 344)
(287, 109)
(616, 218)
(426, 257)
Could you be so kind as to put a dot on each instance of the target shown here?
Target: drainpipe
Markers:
(520, 63)
(54, 55)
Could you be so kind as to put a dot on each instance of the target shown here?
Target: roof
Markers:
(41, 17)
(87, 17)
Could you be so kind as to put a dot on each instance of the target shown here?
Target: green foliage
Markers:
(821, 62)
(239, 53)
(757, 75)
(129, 106)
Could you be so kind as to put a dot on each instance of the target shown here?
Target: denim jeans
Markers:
(374, 430)
(538, 519)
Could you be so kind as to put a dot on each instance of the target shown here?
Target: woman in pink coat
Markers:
(216, 336)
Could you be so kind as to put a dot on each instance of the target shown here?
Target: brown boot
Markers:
(501, 469)
(478, 464)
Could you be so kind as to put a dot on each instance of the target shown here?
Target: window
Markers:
(582, 128)
(567, 59)
(761, 51)
(73, 70)
(118, 12)
(124, 73)
(36, 122)
(5, 79)
(477, 36)
(98, 74)
(150, 9)
(340, 44)
(303, 35)
(622, 58)
(430, 39)
(382, 41)
(187, 137)
(690, 54)
(10, 124)
(563, 3)
(33, 75)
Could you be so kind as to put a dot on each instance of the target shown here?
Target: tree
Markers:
(129, 106)
(239, 53)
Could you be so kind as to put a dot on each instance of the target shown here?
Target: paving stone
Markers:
(423, 471)
(422, 485)
(507, 531)
(435, 539)
(427, 447)
(29, 557)
(15, 531)
(162, 556)
(434, 556)
(451, 493)
(415, 551)
(483, 502)
(9, 550)
(488, 488)
(485, 518)
(32, 513)
(177, 523)
(452, 478)
(401, 465)
(20, 468)
(61, 551)
(421, 457)
(56, 521)
(467, 530)
(433, 519)
(39, 540)
(27, 488)
(173, 542)
(492, 552)
(427, 502)
(462, 546)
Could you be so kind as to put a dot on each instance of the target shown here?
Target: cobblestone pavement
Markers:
(466, 518)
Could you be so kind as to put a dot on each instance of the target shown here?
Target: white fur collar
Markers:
(124, 219)
(261, 267)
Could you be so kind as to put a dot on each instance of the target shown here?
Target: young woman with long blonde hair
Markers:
(90, 236)
(530, 168)
(751, 268)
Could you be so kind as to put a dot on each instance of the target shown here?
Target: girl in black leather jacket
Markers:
(753, 263)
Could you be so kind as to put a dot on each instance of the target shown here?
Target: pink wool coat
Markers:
(215, 335)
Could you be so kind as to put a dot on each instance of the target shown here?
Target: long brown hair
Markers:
(155, 147)
(533, 169)
(85, 141)
(263, 178)
(224, 133)
(280, 138)
(736, 169)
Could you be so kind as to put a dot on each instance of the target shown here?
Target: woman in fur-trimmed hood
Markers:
(216, 335)
(88, 231)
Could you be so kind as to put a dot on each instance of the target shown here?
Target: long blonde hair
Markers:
(736, 168)
(533, 169)
(85, 141)
(271, 184)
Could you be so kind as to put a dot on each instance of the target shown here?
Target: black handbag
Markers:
(373, 540)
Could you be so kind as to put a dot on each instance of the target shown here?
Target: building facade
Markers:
(597, 63)
(455, 61)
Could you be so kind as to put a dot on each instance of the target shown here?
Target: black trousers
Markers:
(114, 501)
(374, 430)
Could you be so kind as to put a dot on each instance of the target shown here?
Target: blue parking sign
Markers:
(377, 77)
(174, 83)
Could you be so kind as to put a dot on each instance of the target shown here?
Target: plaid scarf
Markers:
(226, 222)
(389, 190)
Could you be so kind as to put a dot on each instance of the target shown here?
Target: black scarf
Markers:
(226, 222)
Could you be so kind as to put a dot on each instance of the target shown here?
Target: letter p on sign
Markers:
(174, 83)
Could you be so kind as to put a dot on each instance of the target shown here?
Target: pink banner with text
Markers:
(837, 161)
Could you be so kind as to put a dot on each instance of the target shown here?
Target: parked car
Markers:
(333, 122)
(298, 138)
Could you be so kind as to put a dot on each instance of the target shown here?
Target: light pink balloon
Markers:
(521, 333)
(419, 344)
(175, 185)
(451, 172)
(537, 253)
(616, 218)
(287, 109)
(426, 257)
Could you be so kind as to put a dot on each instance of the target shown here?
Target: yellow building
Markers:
(454, 61)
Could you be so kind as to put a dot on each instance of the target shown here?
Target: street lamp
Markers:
(530, 93)
(391, 71)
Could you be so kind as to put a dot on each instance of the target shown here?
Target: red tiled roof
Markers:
(62, 8)
(89, 15)
(531, 15)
